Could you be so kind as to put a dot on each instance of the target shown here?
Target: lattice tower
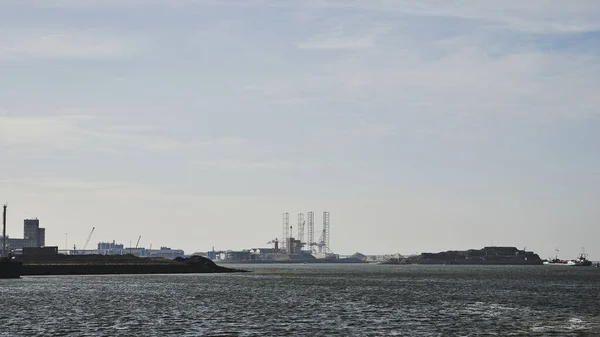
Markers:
(286, 231)
(326, 233)
(301, 224)
(311, 230)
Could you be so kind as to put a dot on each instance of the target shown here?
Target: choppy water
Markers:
(310, 300)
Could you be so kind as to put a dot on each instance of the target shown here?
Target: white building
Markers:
(112, 248)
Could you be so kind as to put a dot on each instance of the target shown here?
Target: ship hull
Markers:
(582, 261)
(581, 264)
(12, 269)
(570, 264)
(107, 264)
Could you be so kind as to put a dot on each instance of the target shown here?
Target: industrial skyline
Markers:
(34, 236)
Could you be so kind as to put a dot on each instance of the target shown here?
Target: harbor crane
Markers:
(138, 242)
(274, 242)
(88, 238)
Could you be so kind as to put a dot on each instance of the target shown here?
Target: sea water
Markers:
(310, 300)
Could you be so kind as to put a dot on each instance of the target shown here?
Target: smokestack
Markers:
(4, 231)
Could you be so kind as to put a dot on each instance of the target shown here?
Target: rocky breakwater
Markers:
(118, 264)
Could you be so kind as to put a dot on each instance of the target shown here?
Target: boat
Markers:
(556, 262)
(581, 261)
(10, 268)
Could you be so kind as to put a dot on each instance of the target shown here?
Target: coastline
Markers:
(308, 261)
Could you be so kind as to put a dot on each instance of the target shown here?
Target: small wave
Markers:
(572, 324)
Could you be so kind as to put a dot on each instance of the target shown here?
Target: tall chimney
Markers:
(4, 231)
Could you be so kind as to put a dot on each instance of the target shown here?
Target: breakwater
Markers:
(99, 264)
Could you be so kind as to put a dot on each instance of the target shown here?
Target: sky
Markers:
(420, 126)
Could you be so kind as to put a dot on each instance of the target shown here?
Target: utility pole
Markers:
(4, 231)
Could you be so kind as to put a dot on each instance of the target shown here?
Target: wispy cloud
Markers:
(237, 164)
(483, 67)
(534, 16)
(77, 135)
(104, 3)
(38, 132)
(537, 16)
(153, 3)
(69, 44)
(64, 184)
(80, 133)
(338, 43)
(343, 34)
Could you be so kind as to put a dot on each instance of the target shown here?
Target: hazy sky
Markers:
(421, 126)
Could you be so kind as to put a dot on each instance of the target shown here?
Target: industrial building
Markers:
(33, 236)
(113, 248)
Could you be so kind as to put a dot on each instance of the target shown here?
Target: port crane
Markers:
(138, 242)
(88, 238)
(274, 242)
(322, 244)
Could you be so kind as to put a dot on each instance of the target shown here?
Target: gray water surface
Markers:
(310, 300)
